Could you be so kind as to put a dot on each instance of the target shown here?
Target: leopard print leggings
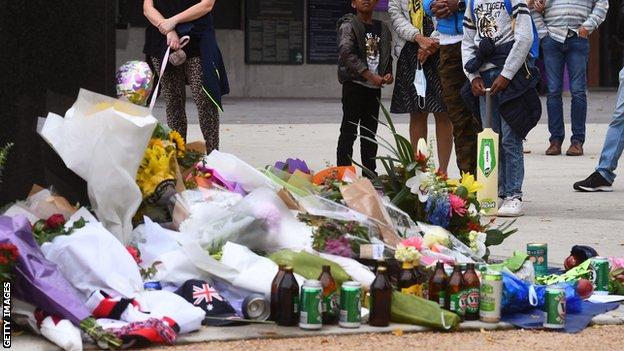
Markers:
(173, 87)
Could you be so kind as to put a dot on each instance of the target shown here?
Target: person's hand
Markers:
(440, 9)
(500, 83)
(423, 55)
(173, 40)
(539, 5)
(583, 32)
(167, 25)
(427, 44)
(478, 87)
(377, 80)
(388, 79)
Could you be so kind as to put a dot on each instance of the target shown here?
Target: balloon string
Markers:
(183, 41)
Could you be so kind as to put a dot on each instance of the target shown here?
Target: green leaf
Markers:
(401, 195)
(79, 223)
(494, 237)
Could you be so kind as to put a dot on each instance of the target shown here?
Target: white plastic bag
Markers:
(92, 259)
(103, 140)
(256, 273)
(233, 169)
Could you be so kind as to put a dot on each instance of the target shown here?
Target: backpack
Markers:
(534, 52)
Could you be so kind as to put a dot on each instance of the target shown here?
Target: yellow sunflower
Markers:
(467, 181)
(177, 139)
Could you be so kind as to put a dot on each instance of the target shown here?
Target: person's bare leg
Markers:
(418, 127)
(444, 136)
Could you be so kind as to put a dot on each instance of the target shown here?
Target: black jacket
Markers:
(352, 49)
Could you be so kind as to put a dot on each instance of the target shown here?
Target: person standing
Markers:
(604, 176)
(203, 68)
(568, 24)
(449, 15)
(416, 49)
(498, 39)
(364, 66)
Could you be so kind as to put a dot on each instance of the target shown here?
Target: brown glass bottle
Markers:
(407, 280)
(288, 299)
(456, 300)
(421, 280)
(274, 286)
(380, 299)
(330, 296)
(437, 285)
(471, 290)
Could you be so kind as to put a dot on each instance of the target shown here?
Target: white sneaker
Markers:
(511, 207)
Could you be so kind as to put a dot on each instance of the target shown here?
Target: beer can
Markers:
(152, 285)
(311, 314)
(256, 307)
(600, 275)
(491, 296)
(538, 254)
(555, 308)
(350, 305)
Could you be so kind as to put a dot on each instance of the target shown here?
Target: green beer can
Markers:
(555, 308)
(311, 315)
(491, 296)
(600, 275)
(350, 305)
(538, 254)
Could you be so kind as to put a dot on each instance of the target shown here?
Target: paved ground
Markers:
(312, 111)
(593, 338)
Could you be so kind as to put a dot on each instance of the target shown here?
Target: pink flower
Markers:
(414, 241)
(458, 205)
(339, 247)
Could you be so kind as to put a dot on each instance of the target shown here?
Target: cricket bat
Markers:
(487, 162)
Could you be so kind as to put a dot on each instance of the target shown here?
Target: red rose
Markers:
(55, 221)
(134, 252)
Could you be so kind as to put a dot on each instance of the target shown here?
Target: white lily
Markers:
(418, 185)
(422, 147)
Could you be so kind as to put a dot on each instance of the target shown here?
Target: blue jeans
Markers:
(614, 142)
(511, 158)
(574, 53)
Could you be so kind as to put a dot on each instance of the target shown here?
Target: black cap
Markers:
(219, 311)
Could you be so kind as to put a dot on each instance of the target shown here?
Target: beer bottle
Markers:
(380, 299)
(407, 280)
(274, 286)
(421, 279)
(471, 290)
(456, 300)
(288, 299)
(330, 296)
(437, 285)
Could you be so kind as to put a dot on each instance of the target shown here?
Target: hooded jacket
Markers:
(352, 49)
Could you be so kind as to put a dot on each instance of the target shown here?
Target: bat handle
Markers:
(488, 108)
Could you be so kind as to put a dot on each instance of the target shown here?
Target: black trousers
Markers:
(360, 106)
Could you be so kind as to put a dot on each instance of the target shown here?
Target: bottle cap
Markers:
(326, 268)
(288, 269)
(382, 269)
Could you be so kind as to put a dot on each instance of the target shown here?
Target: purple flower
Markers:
(293, 164)
(339, 247)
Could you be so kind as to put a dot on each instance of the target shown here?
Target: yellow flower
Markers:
(155, 168)
(467, 181)
(177, 139)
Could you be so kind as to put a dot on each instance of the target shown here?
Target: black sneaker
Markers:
(595, 182)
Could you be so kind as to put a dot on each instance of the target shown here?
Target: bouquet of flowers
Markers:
(336, 237)
(46, 230)
(414, 184)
